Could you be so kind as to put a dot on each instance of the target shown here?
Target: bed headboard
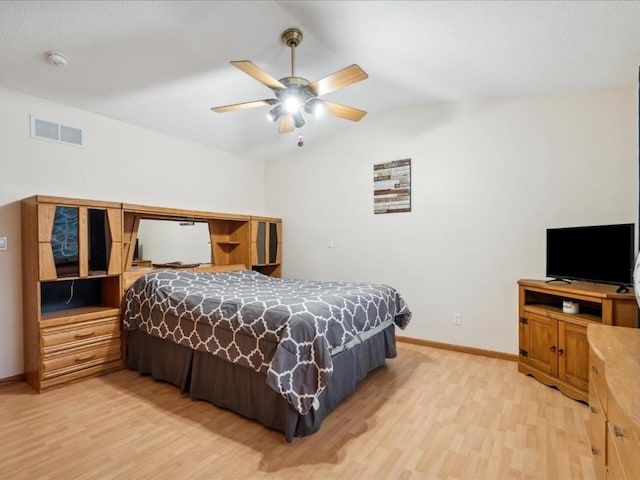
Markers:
(229, 235)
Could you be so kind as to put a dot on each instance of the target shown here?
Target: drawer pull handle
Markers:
(619, 431)
(553, 349)
(84, 359)
(85, 335)
(595, 451)
(593, 409)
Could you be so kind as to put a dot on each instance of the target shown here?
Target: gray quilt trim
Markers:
(361, 337)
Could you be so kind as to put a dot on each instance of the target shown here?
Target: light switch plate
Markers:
(3, 243)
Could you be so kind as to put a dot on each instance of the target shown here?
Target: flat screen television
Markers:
(599, 253)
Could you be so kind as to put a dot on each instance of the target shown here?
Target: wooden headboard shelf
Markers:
(162, 213)
(229, 234)
(235, 239)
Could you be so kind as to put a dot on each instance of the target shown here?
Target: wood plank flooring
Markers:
(429, 413)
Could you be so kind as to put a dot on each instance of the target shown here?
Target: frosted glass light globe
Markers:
(292, 104)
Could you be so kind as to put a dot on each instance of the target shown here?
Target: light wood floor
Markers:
(427, 414)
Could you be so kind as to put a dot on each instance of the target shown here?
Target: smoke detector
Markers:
(57, 59)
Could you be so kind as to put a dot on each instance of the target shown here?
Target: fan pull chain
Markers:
(300, 141)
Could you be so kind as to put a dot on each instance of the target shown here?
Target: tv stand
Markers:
(553, 344)
(622, 289)
(563, 280)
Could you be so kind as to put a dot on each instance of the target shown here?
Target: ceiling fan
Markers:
(296, 94)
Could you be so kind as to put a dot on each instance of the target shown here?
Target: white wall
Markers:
(120, 163)
(488, 178)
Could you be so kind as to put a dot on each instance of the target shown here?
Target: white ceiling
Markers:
(163, 64)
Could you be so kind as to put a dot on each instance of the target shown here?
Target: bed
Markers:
(284, 352)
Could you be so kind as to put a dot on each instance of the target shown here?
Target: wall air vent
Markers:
(56, 132)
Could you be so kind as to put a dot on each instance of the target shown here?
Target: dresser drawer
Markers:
(596, 378)
(615, 471)
(75, 359)
(625, 439)
(597, 434)
(77, 334)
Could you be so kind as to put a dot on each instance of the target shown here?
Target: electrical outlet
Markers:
(457, 319)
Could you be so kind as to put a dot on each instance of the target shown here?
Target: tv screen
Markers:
(601, 253)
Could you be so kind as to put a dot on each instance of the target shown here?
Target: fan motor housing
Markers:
(292, 37)
(294, 81)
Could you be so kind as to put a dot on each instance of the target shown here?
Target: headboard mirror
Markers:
(164, 241)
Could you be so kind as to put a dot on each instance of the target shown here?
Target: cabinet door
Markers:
(538, 343)
(78, 241)
(104, 241)
(266, 242)
(615, 470)
(59, 244)
(624, 434)
(573, 355)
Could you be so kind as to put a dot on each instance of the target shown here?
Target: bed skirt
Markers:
(206, 377)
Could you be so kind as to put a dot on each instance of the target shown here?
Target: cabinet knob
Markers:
(593, 409)
(595, 451)
(553, 349)
(594, 369)
(619, 431)
(560, 351)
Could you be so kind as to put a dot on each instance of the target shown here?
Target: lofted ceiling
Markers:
(162, 64)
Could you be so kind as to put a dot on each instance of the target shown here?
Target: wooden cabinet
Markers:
(71, 256)
(553, 345)
(266, 245)
(614, 401)
(77, 258)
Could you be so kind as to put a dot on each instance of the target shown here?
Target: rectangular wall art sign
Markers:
(392, 187)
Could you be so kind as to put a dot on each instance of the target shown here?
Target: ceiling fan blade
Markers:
(256, 72)
(286, 124)
(340, 79)
(242, 106)
(343, 111)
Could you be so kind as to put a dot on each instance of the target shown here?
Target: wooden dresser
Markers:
(614, 401)
(71, 269)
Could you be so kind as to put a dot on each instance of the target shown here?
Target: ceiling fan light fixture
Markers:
(292, 104)
(274, 113)
(314, 107)
(298, 121)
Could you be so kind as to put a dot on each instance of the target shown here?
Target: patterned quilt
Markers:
(284, 328)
